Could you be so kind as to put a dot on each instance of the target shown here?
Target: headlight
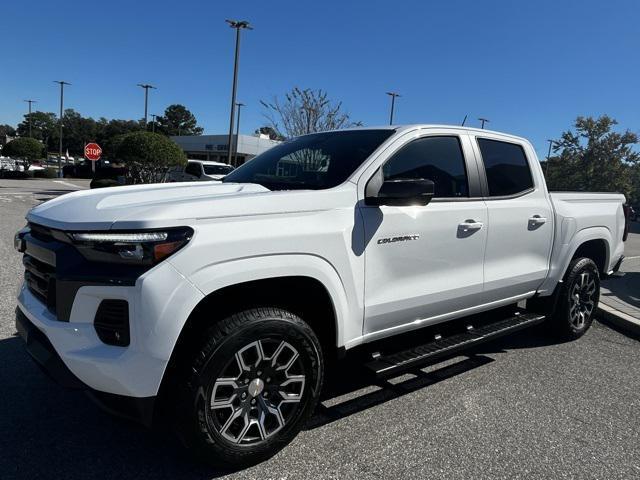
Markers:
(138, 248)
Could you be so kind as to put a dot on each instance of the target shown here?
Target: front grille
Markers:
(41, 281)
(112, 322)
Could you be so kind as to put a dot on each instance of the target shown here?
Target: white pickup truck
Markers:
(218, 305)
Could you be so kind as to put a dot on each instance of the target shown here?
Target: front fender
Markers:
(217, 276)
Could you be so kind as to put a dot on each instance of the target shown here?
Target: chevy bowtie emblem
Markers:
(403, 238)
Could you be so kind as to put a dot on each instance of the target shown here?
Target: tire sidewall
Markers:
(302, 339)
(563, 316)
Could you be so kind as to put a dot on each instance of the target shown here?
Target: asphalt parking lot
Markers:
(520, 407)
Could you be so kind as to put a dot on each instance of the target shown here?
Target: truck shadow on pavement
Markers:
(50, 432)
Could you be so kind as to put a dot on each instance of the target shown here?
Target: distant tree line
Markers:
(594, 157)
(78, 130)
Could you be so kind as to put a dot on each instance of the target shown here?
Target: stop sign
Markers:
(92, 151)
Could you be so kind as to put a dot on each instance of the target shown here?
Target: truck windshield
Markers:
(315, 162)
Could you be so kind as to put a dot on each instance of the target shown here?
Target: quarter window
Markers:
(438, 159)
(508, 171)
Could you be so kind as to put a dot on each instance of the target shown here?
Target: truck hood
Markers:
(164, 205)
(140, 206)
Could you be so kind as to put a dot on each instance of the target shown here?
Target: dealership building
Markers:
(216, 148)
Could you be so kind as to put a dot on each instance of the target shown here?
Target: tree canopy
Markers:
(149, 155)
(305, 111)
(24, 148)
(594, 157)
(177, 120)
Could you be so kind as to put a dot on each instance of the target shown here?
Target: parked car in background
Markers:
(199, 170)
(103, 169)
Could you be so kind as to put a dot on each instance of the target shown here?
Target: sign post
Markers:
(92, 152)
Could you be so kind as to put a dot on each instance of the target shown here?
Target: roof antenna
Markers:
(464, 121)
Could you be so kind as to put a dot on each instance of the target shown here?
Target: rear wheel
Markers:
(578, 301)
(254, 384)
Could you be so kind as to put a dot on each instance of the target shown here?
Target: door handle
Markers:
(469, 225)
(537, 220)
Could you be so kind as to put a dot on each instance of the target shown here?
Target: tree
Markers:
(594, 158)
(77, 131)
(44, 127)
(267, 130)
(149, 155)
(177, 120)
(24, 148)
(6, 131)
(305, 111)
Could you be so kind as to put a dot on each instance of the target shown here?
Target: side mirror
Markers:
(398, 192)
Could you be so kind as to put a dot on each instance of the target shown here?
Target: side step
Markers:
(385, 366)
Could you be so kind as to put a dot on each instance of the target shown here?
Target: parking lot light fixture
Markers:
(393, 96)
(62, 84)
(146, 87)
(483, 120)
(235, 150)
(237, 25)
(30, 102)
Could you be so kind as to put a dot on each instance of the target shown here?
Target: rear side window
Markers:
(438, 159)
(193, 168)
(508, 171)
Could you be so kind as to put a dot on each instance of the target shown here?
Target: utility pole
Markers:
(464, 120)
(237, 25)
(483, 120)
(62, 84)
(146, 87)
(393, 96)
(153, 122)
(235, 157)
(546, 167)
(30, 102)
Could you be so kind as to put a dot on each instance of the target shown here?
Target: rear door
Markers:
(520, 215)
(425, 262)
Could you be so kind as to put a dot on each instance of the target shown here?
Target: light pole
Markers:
(483, 120)
(30, 102)
(546, 167)
(393, 96)
(62, 84)
(146, 87)
(235, 155)
(153, 122)
(238, 25)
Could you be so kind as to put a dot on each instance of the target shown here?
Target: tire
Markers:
(253, 385)
(578, 299)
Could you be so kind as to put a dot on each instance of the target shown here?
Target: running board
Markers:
(388, 365)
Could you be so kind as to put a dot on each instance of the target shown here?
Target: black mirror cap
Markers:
(400, 192)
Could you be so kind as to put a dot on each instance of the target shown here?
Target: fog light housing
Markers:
(112, 322)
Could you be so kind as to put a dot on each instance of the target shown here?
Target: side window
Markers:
(508, 171)
(438, 159)
(193, 168)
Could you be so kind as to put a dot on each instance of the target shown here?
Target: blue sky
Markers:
(530, 67)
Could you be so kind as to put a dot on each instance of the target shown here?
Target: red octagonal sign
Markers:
(92, 151)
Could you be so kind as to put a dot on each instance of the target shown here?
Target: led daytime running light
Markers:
(121, 237)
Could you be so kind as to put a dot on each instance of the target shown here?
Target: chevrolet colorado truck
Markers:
(219, 304)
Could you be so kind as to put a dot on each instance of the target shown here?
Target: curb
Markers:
(620, 319)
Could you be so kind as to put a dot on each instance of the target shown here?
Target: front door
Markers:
(423, 263)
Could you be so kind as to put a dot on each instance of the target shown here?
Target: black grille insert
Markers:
(40, 278)
(112, 322)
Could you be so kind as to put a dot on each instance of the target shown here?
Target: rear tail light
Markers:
(627, 213)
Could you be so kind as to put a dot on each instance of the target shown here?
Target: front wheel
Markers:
(578, 300)
(253, 386)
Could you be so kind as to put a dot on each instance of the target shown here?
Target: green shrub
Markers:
(46, 173)
(103, 182)
(25, 148)
(149, 155)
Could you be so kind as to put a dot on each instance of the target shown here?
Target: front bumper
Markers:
(46, 357)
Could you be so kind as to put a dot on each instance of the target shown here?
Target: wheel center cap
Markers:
(256, 386)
